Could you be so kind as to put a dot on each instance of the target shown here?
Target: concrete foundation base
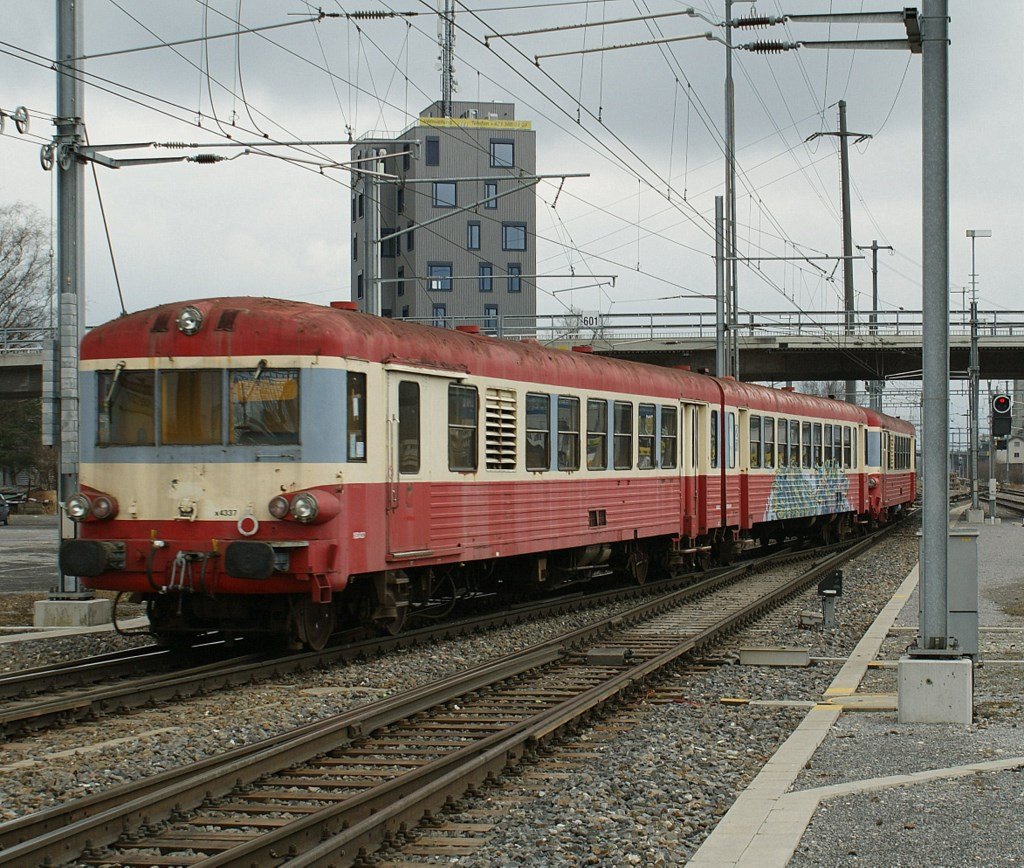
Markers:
(995, 520)
(72, 613)
(935, 691)
(976, 516)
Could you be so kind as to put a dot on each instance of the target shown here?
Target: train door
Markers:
(743, 466)
(408, 491)
(689, 469)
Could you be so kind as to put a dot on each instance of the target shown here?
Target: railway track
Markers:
(334, 791)
(35, 699)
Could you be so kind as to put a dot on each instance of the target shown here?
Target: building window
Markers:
(400, 284)
(513, 236)
(388, 246)
(472, 235)
(486, 277)
(360, 206)
(444, 194)
(433, 151)
(503, 153)
(405, 311)
(538, 431)
(355, 248)
(622, 442)
(597, 434)
(400, 200)
(669, 436)
(406, 161)
(568, 433)
(410, 240)
(359, 285)
(491, 194)
(439, 316)
(353, 209)
(462, 427)
(440, 276)
(491, 319)
(408, 427)
(515, 278)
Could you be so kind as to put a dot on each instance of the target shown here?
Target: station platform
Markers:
(854, 786)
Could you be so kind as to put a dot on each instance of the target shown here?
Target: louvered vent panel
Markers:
(501, 429)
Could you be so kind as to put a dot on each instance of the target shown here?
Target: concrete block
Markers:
(72, 613)
(935, 691)
(976, 516)
(775, 655)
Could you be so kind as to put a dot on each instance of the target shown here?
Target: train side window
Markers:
(816, 440)
(769, 442)
(755, 441)
(568, 433)
(855, 456)
(731, 440)
(873, 444)
(694, 438)
(645, 436)
(794, 443)
(538, 431)
(669, 436)
(355, 387)
(622, 442)
(805, 444)
(462, 427)
(597, 434)
(408, 427)
(827, 443)
(714, 438)
(837, 445)
(783, 443)
(847, 448)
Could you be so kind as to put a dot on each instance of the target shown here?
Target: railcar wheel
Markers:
(392, 610)
(314, 623)
(638, 563)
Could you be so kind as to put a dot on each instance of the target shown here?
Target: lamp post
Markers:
(974, 371)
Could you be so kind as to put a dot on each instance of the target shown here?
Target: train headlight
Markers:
(78, 507)
(872, 482)
(190, 320)
(278, 507)
(304, 507)
(103, 506)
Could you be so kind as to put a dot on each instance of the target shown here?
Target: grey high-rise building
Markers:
(477, 263)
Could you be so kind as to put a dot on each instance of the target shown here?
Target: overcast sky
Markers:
(267, 226)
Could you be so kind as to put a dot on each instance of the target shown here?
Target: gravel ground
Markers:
(38, 771)
(658, 788)
(970, 821)
(927, 824)
(650, 797)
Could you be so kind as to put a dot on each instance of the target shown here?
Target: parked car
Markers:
(5, 510)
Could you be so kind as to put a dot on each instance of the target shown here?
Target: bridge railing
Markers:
(617, 328)
(23, 340)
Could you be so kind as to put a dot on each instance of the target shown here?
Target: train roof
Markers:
(253, 326)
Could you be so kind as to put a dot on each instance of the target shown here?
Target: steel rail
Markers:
(67, 831)
(19, 714)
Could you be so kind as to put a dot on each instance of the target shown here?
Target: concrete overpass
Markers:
(798, 346)
(774, 345)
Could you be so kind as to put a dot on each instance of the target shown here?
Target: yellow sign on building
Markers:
(477, 123)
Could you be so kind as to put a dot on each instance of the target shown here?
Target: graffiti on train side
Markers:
(818, 491)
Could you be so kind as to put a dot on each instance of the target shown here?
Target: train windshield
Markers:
(874, 444)
(262, 407)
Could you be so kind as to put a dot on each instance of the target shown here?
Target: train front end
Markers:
(214, 468)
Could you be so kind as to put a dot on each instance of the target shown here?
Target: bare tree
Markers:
(24, 272)
(823, 388)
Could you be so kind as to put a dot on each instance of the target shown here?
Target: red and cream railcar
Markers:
(265, 465)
